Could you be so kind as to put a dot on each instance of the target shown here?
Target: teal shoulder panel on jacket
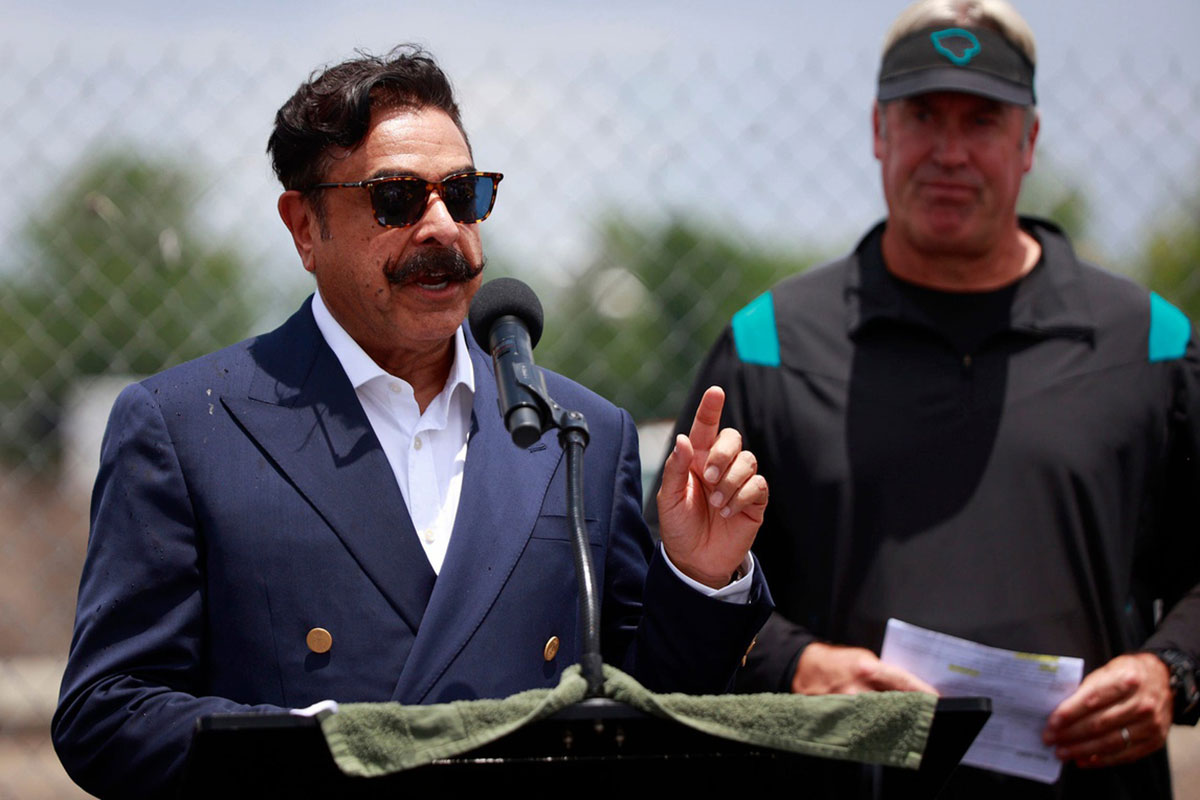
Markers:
(1170, 330)
(754, 332)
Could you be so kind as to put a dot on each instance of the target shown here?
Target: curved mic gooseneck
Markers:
(506, 318)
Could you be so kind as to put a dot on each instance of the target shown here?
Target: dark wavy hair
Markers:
(333, 108)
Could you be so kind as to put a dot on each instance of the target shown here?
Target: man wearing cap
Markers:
(968, 429)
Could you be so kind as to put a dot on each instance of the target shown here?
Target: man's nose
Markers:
(436, 224)
(950, 146)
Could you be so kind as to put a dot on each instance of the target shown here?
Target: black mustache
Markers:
(443, 263)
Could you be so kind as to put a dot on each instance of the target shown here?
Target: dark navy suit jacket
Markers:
(243, 499)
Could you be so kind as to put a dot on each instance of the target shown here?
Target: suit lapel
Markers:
(304, 415)
(502, 494)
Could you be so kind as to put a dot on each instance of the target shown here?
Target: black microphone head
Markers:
(504, 297)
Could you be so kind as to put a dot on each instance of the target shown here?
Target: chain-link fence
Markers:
(646, 199)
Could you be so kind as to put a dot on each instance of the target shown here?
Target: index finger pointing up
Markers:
(707, 423)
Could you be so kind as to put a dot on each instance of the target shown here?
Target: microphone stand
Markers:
(573, 439)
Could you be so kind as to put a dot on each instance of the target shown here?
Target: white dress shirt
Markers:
(427, 452)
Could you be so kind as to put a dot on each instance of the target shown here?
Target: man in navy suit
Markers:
(334, 510)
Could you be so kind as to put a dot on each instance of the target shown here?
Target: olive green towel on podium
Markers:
(889, 728)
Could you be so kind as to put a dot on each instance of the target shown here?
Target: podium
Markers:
(594, 746)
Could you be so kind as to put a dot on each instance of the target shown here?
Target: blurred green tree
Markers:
(1170, 258)
(1051, 195)
(640, 319)
(117, 279)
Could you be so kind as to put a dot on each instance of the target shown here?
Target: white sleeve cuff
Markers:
(319, 709)
(736, 592)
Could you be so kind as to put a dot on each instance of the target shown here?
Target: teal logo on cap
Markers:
(956, 44)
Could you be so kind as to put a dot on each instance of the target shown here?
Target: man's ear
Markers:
(1031, 136)
(301, 219)
(877, 130)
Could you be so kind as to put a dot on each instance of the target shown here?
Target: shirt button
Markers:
(395, 387)
(417, 443)
(428, 535)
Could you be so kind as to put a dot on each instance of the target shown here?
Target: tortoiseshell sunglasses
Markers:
(400, 200)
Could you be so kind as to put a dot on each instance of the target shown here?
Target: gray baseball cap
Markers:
(972, 60)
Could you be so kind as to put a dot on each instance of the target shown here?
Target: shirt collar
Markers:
(360, 368)
(1051, 299)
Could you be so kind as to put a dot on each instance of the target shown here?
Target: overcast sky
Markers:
(1094, 27)
(1086, 35)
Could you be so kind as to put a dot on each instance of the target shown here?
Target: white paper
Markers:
(1024, 689)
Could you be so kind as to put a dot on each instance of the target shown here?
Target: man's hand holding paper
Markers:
(1120, 713)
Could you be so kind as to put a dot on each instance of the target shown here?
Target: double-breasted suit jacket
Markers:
(243, 500)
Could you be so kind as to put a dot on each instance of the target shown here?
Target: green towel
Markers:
(889, 728)
(370, 739)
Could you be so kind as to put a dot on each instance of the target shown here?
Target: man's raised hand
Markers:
(712, 500)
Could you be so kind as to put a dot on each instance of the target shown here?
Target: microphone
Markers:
(506, 318)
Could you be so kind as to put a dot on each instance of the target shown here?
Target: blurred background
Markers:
(664, 163)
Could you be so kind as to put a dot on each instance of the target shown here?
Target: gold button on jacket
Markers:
(319, 640)
(551, 648)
